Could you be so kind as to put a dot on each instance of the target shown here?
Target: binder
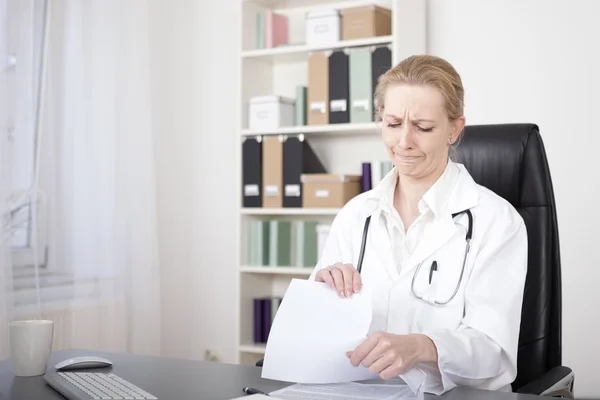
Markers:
(252, 171)
(300, 106)
(298, 158)
(306, 243)
(381, 62)
(280, 243)
(338, 88)
(318, 89)
(361, 88)
(272, 171)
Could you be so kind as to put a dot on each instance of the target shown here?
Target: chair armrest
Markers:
(259, 363)
(558, 382)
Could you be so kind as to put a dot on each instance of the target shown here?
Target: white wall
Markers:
(539, 61)
(521, 61)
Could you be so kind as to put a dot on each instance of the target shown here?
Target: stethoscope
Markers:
(468, 237)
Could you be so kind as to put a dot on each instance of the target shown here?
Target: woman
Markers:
(440, 319)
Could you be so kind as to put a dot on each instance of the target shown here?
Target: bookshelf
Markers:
(341, 147)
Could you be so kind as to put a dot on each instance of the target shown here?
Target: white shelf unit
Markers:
(341, 147)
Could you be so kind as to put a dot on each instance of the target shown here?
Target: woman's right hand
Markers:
(342, 277)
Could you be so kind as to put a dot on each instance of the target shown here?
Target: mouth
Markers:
(406, 159)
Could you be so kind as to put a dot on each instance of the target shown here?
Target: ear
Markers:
(457, 128)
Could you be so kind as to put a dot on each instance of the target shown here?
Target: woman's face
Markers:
(417, 131)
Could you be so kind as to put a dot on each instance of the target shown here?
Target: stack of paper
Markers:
(313, 330)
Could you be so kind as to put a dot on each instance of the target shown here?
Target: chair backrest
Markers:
(510, 160)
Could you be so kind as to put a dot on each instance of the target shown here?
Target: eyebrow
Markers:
(414, 120)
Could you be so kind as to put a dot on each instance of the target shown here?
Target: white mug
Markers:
(30, 346)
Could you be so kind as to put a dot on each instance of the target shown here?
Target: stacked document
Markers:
(313, 330)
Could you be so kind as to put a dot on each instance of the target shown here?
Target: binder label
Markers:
(251, 190)
(271, 190)
(338, 105)
(318, 106)
(322, 193)
(364, 104)
(292, 190)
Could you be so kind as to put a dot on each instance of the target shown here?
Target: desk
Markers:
(176, 379)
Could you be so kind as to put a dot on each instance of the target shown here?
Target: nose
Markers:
(403, 137)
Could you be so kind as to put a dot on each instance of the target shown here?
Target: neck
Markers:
(409, 191)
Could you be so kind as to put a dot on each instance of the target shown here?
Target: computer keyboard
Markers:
(95, 385)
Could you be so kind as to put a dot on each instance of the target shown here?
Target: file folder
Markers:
(338, 88)
(298, 158)
(252, 171)
(272, 171)
(381, 62)
(361, 88)
(318, 89)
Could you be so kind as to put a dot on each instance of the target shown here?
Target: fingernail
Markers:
(341, 293)
(348, 292)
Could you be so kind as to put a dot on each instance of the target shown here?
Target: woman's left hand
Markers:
(390, 355)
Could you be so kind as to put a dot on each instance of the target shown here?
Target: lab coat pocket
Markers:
(442, 303)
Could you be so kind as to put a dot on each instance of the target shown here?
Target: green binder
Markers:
(306, 244)
(280, 240)
(260, 30)
(300, 106)
(361, 86)
(258, 243)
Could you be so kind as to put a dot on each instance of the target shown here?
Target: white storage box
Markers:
(323, 27)
(271, 112)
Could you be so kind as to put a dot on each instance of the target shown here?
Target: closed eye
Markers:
(390, 125)
(425, 129)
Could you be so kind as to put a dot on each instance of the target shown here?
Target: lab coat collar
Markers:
(454, 192)
(441, 198)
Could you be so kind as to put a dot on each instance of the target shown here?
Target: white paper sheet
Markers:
(345, 391)
(313, 329)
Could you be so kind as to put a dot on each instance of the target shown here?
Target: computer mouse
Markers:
(83, 362)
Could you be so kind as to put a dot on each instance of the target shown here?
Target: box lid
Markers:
(322, 14)
(366, 9)
(271, 99)
(329, 178)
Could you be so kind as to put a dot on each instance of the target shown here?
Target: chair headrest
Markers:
(508, 159)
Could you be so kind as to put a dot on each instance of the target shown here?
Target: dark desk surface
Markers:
(176, 379)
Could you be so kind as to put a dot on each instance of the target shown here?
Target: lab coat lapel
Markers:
(464, 195)
(380, 243)
(434, 237)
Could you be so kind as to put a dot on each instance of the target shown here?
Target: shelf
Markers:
(299, 52)
(253, 348)
(306, 271)
(289, 211)
(332, 129)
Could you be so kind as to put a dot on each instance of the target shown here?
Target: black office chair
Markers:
(510, 160)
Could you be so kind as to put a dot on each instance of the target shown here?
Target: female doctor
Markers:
(445, 257)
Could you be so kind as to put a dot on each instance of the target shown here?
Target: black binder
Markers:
(339, 88)
(381, 62)
(298, 158)
(252, 171)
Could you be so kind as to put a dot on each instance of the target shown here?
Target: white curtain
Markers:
(95, 268)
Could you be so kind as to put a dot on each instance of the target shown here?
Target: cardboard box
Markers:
(329, 190)
(365, 22)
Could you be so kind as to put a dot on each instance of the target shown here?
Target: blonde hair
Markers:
(424, 70)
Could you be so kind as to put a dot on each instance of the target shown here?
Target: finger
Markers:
(325, 276)
(382, 349)
(361, 351)
(338, 279)
(382, 363)
(348, 272)
(393, 370)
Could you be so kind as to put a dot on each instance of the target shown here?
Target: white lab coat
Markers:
(476, 334)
